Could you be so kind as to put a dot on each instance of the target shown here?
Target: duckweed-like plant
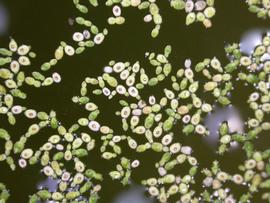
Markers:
(181, 106)
(260, 7)
(149, 122)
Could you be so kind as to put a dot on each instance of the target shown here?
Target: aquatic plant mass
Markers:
(154, 114)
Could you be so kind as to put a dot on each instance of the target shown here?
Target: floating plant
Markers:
(13, 78)
(4, 195)
(260, 7)
(146, 117)
(149, 122)
(154, 120)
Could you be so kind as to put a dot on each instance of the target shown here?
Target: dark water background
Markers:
(43, 24)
